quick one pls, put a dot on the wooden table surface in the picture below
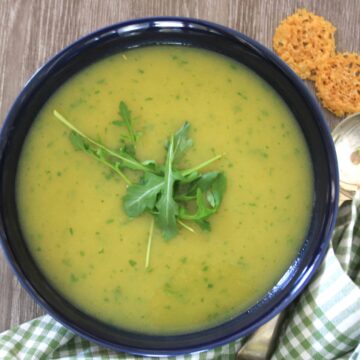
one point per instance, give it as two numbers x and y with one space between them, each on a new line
31 31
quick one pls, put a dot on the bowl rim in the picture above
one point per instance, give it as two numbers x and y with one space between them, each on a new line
266 54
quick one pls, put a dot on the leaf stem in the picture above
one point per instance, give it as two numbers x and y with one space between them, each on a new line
148 250
200 166
187 227
111 152
112 167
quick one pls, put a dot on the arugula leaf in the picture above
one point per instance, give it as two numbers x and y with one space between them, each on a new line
126 159
154 166
202 181
213 184
204 224
97 153
186 187
142 196
77 141
167 206
130 162
168 193
202 212
209 191
206 180
125 114
181 142
217 190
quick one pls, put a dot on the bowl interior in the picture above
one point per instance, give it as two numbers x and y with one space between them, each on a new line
183 32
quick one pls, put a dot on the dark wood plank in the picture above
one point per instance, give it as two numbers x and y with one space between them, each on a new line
32 31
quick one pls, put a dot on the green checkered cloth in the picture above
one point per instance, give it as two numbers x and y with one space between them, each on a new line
324 323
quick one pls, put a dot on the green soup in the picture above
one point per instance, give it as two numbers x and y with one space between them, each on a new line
70 206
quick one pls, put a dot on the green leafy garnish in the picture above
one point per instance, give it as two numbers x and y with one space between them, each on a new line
181 142
126 116
173 196
92 147
167 206
126 120
143 196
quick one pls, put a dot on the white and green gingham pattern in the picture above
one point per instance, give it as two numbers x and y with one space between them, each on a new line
44 338
324 323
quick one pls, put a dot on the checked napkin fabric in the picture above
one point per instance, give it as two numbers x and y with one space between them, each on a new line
324 323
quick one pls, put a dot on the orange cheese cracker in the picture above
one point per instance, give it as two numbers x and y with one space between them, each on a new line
337 83
303 40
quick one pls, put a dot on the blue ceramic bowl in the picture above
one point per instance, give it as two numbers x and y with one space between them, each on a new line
186 32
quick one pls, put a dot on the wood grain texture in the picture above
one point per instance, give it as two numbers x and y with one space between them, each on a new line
33 30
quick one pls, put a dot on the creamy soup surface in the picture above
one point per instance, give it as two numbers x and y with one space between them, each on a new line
70 206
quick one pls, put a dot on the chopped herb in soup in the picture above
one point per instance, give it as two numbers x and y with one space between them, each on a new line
201 253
